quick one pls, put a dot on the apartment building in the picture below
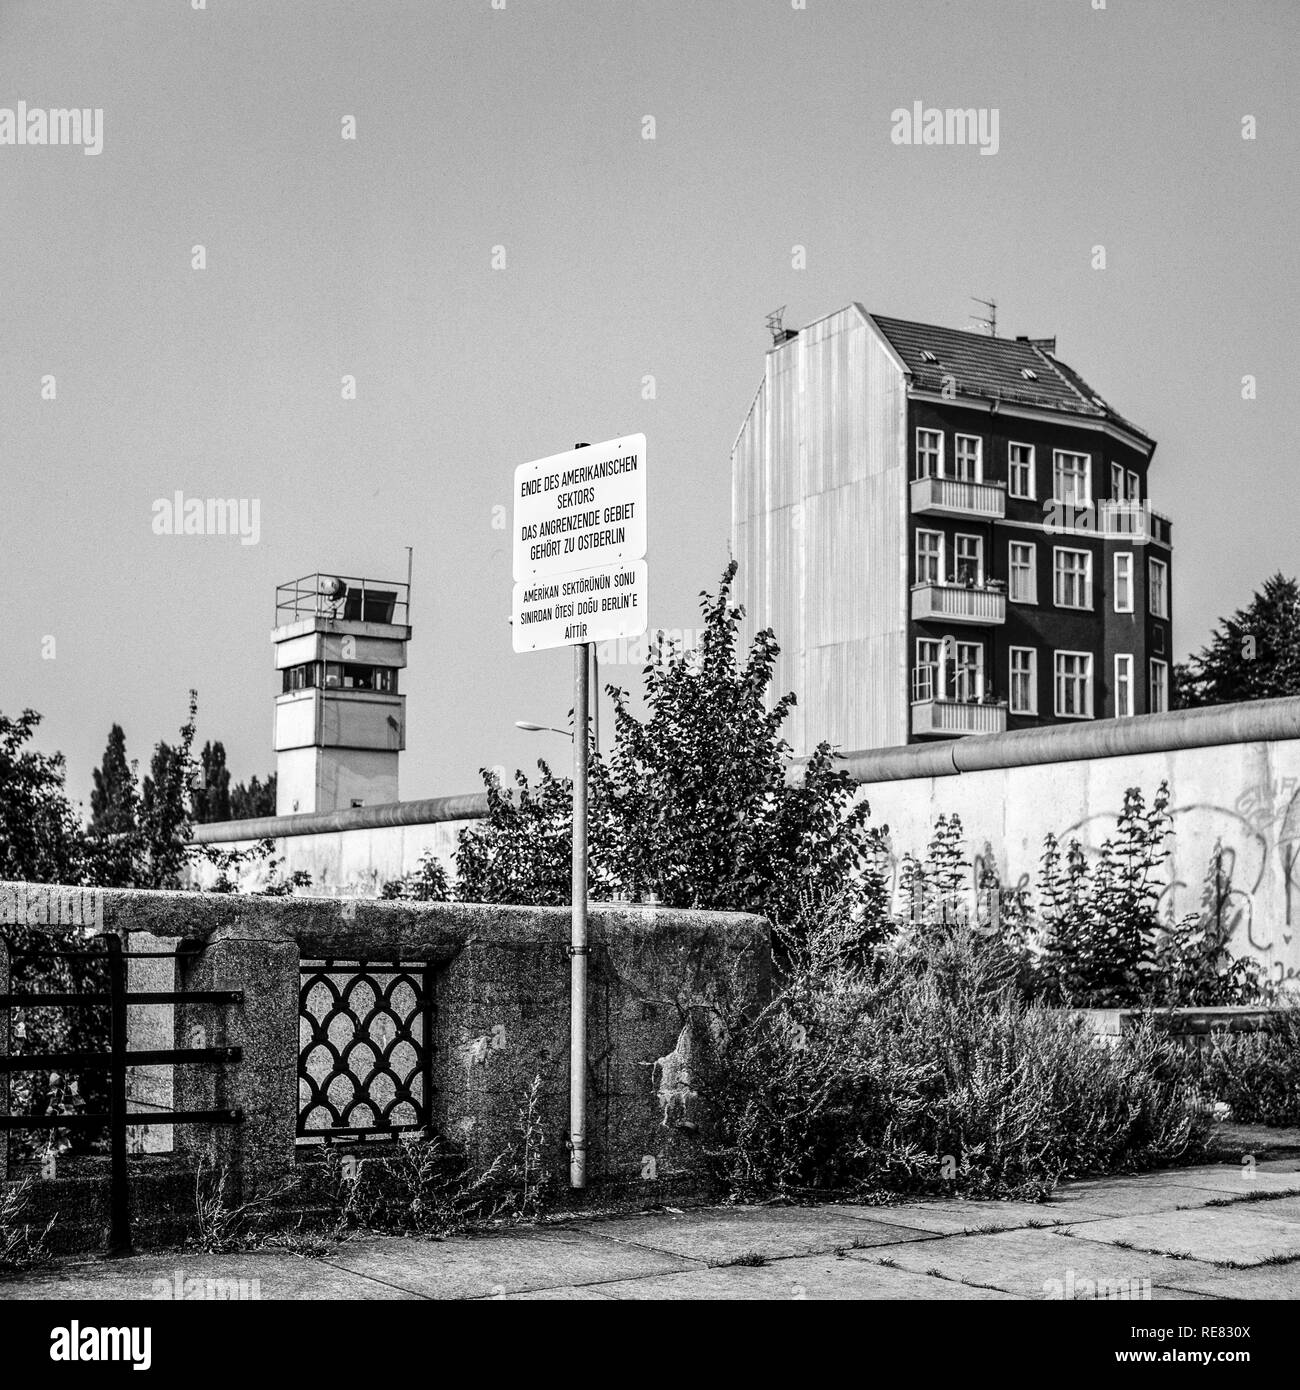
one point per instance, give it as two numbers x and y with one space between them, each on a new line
950 533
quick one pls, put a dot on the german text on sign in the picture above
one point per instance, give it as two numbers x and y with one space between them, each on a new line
581 509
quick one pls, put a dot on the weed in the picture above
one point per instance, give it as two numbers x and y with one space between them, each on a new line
19 1247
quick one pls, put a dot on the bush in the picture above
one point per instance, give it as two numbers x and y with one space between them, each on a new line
428 884
922 1069
693 802
1257 1074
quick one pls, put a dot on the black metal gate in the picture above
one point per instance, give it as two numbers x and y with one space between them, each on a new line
116 1062
365 1062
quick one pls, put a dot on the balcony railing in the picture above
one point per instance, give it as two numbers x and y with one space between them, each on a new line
951 715
959 603
953 718
953 497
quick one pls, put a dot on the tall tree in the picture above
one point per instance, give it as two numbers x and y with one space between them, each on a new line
165 813
212 793
255 799
1253 655
113 796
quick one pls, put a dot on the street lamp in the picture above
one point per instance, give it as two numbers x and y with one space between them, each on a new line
531 728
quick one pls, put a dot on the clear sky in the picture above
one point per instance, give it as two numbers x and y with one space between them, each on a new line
522 127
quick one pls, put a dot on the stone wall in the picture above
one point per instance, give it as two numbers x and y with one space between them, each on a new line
660 982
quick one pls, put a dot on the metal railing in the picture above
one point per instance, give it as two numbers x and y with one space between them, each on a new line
971 603
343 596
116 1061
959 497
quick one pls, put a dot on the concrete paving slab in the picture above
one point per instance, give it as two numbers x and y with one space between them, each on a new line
1038 1264
1209 1234
278 1276
956 1218
718 1235
566 1293
506 1263
806 1278
1279 1283
1232 1178
1125 1197
1279 1208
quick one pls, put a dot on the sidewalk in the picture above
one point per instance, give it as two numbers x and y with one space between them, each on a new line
1211 1232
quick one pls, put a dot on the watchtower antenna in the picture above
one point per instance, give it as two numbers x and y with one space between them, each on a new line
989 321
776 324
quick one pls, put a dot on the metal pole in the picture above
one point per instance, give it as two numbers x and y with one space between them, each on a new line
119 1211
595 697
409 562
578 942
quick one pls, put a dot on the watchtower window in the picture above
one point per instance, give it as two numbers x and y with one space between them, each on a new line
303 677
347 675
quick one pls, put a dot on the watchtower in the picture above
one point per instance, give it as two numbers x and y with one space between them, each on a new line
340 720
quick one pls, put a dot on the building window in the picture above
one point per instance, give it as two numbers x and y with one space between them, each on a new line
929 454
929 557
1123 685
1124 581
969 560
1117 482
970 670
1134 488
1074 685
925 680
970 465
1071 478
1158 693
1020 470
1024 680
302 677
1073 578
1023 571
353 676
1158 588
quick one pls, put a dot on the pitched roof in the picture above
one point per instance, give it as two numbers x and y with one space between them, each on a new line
1017 370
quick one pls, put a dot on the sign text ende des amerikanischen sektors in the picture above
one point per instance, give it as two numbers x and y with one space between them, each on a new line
581 509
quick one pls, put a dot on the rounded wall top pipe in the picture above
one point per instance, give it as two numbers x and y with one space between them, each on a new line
1255 721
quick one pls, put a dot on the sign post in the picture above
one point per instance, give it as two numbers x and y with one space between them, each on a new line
578 934
580 578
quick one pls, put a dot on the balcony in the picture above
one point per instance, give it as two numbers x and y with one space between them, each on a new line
952 497
951 716
959 603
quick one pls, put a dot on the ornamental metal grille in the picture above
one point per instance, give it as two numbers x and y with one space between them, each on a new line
365 1049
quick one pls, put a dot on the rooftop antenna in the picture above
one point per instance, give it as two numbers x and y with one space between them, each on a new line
991 321
775 324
